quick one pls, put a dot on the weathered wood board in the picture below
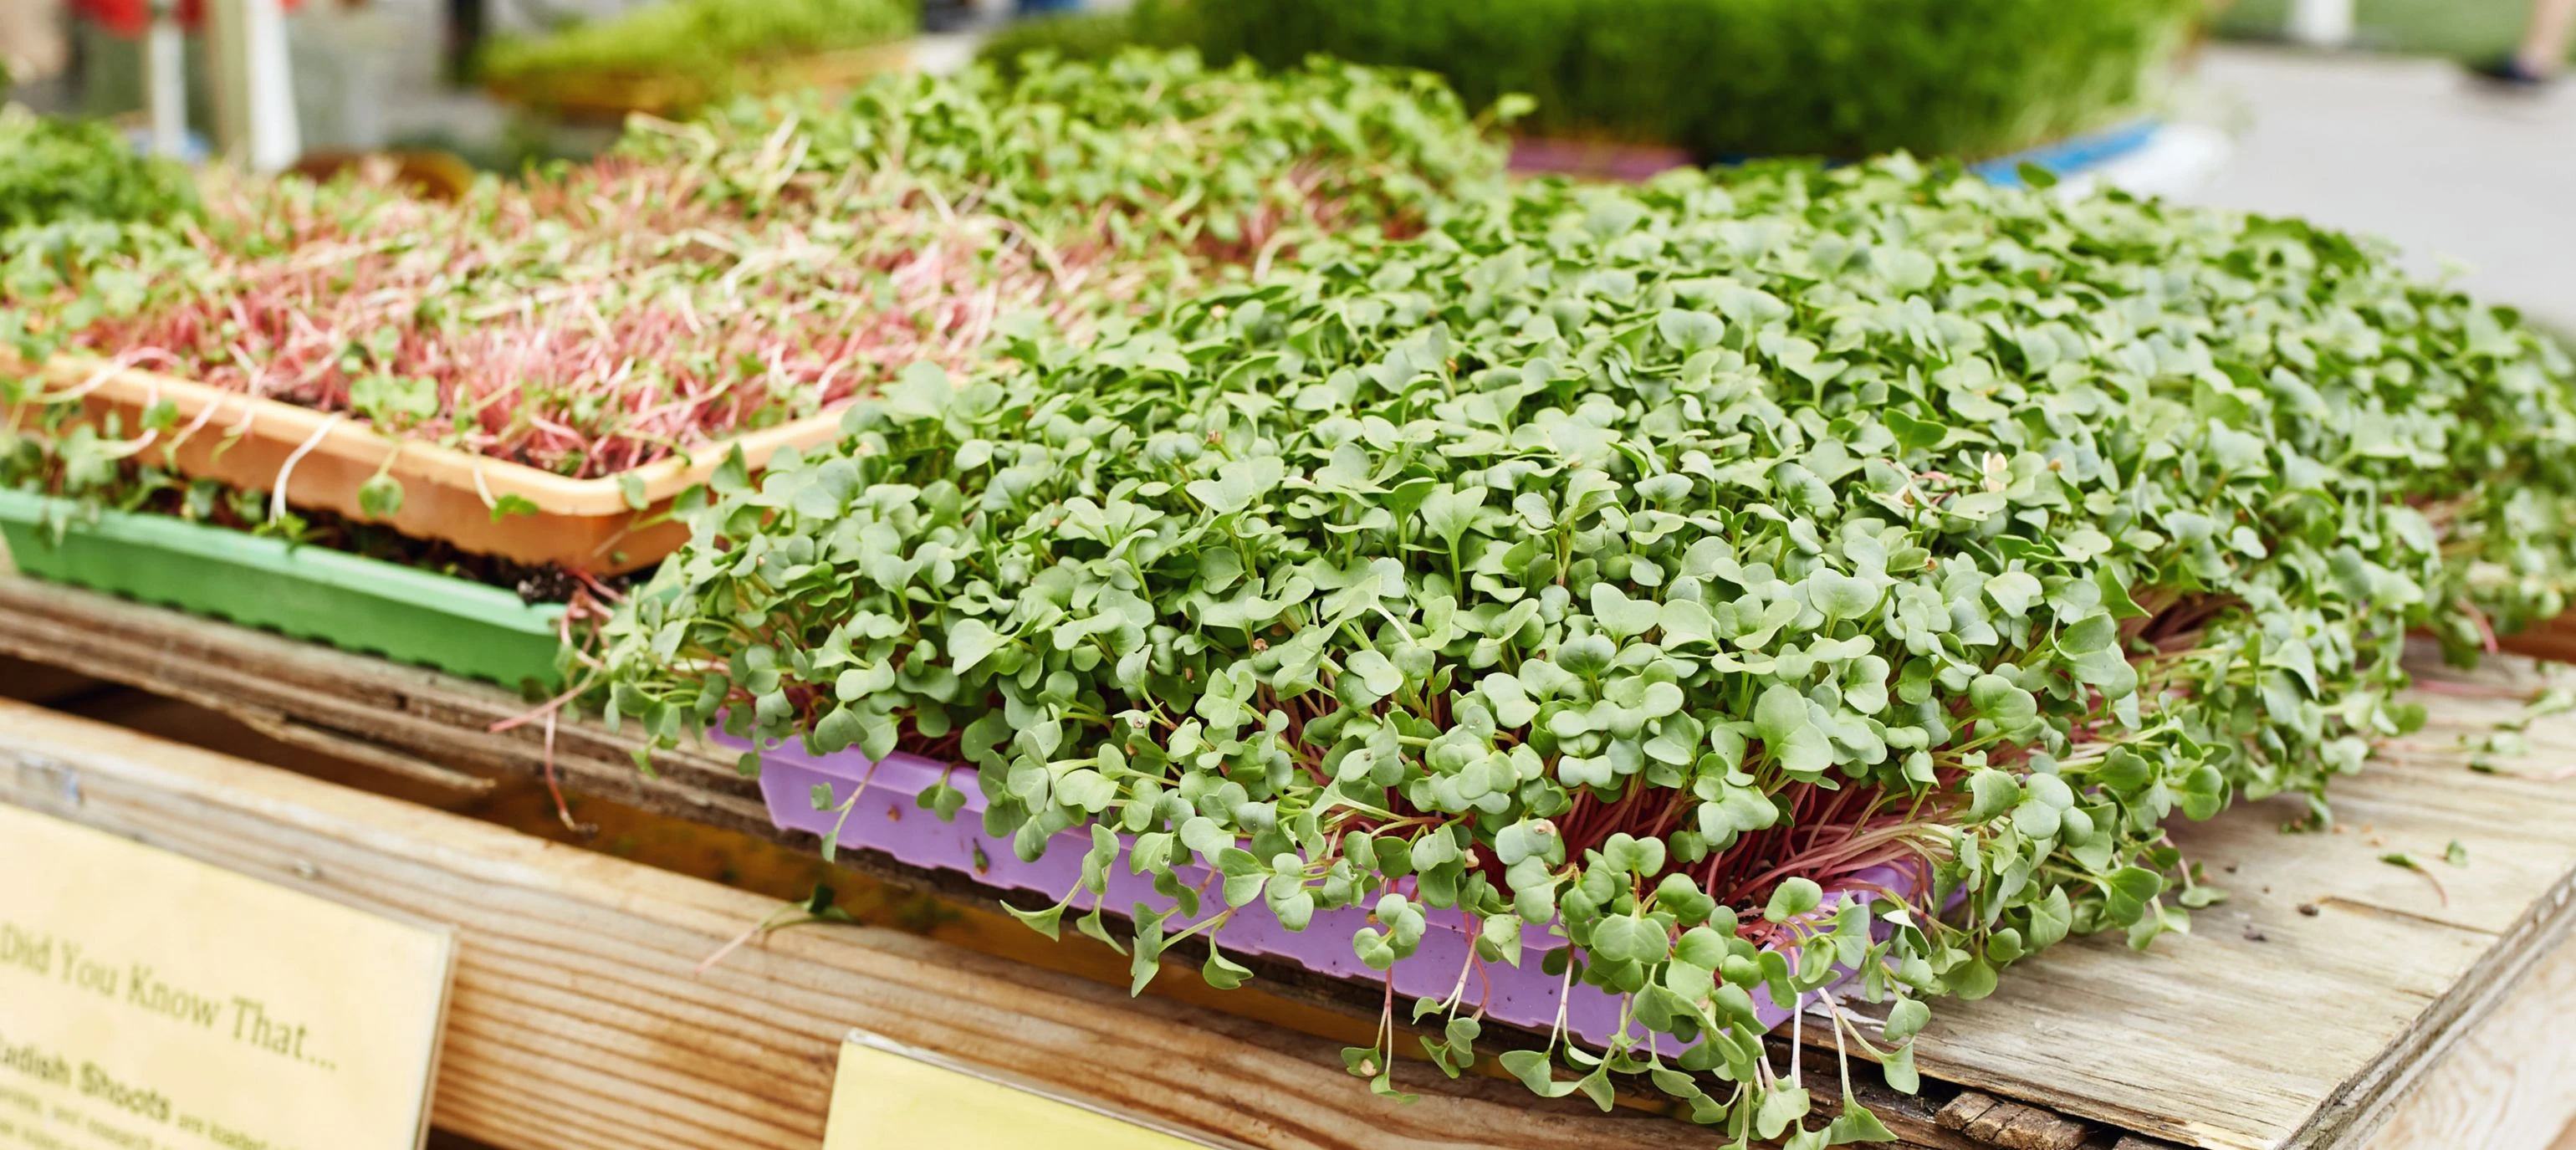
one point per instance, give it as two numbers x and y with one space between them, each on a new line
2509 1085
356 705
2297 1012
2265 1027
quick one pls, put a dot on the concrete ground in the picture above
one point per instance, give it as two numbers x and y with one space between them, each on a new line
2408 149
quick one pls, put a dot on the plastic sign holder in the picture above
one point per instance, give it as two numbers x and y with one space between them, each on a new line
149 999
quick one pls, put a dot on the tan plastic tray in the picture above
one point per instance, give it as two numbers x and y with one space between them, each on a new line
448 494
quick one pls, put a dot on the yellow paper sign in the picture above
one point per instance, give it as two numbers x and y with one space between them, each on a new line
887 1096
149 1001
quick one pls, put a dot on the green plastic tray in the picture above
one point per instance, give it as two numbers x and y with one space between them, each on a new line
455 625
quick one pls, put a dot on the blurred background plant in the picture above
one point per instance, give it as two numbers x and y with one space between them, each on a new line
57 171
671 57
2465 29
1722 78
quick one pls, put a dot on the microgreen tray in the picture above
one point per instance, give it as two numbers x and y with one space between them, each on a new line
606 526
887 818
361 604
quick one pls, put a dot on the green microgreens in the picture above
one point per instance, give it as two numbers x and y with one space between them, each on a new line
1647 565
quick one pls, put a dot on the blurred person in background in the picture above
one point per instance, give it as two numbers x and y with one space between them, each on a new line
2543 50
109 38
131 17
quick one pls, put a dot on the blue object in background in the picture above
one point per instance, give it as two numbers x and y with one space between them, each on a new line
2070 156
1048 7
193 148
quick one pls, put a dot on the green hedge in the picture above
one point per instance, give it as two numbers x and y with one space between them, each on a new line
700 42
1725 78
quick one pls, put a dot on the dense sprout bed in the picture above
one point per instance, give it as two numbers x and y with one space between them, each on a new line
1643 565
767 262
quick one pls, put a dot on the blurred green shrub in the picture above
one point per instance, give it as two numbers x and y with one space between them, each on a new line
60 171
1076 36
677 54
1725 78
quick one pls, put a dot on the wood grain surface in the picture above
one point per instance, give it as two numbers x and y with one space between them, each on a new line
2508 1085
2306 1008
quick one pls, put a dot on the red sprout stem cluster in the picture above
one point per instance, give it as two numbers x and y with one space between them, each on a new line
604 318
592 326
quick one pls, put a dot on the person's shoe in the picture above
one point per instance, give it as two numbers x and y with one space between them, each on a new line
2509 72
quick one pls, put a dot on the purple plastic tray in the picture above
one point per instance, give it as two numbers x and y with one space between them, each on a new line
886 819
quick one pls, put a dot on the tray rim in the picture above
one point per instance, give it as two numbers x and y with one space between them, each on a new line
493 616
83 375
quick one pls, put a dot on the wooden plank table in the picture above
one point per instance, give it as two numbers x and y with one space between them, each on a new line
2321 1002
2334 1000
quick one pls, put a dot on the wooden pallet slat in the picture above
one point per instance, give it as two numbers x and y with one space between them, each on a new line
2312 1035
